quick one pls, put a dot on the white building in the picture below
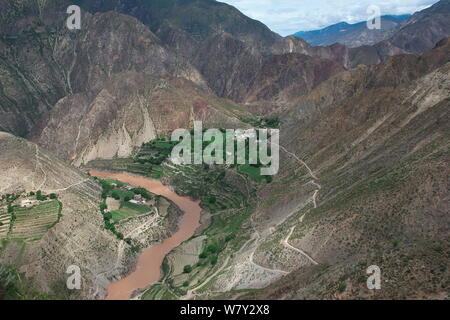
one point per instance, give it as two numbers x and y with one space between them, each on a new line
26 203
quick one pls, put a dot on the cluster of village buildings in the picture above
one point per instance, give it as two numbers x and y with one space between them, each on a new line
26 203
137 199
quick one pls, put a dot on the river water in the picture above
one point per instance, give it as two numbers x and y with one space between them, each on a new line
148 268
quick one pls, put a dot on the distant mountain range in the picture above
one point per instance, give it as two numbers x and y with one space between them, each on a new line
353 35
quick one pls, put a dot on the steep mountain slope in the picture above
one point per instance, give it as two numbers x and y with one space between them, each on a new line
228 65
31 79
353 35
78 239
201 19
233 52
236 69
114 66
228 48
41 62
282 78
424 29
131 108
374 183
419 33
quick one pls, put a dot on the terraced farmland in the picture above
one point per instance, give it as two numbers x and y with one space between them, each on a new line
32 223
209 184
159 292
128 165
128 210
4 223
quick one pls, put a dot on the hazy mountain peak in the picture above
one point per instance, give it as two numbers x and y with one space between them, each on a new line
353 35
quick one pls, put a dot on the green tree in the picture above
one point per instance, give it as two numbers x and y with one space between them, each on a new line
119 235
212 248
229 238
212 199
115 195
107 216
103 207
187 269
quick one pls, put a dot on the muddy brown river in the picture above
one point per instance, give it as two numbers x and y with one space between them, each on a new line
148 268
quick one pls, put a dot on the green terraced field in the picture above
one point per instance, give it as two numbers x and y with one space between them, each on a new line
32 223
4 223
122 193
128 210
158 292
128 165
252 172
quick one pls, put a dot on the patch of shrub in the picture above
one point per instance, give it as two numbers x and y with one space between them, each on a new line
187 269
39 196
212 248
103 207
143 192
115 195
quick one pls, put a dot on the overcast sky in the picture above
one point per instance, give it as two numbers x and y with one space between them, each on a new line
289 16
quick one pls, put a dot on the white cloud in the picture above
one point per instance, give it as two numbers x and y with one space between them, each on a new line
289 16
